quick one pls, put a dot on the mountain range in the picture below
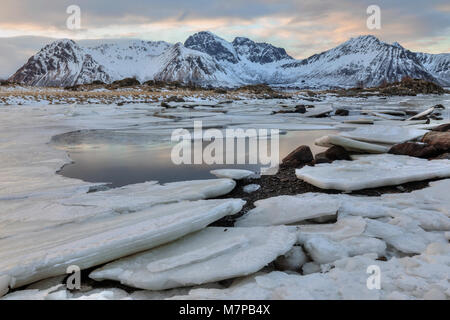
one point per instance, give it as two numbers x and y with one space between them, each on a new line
208 60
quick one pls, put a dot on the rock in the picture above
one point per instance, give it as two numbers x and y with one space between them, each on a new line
372 171
342 112
127 82
300 109
439 140
300 156
337 153
444 156
211 255
321 158
292 260
413 149
174 99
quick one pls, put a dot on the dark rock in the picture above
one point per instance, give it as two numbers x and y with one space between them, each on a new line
127 82
342 112
120 103
337 153
444 156
174 99
442 128
321 158
300 109
300 156
439 140
413 149
439 106
165 105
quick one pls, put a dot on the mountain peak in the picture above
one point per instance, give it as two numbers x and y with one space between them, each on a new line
208 42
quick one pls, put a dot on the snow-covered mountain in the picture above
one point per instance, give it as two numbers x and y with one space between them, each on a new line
364 59
207 59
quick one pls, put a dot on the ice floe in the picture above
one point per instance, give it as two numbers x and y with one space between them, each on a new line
251 188
350 144
48 252
235 174
289 210
419 277
210 255
371 171
384 134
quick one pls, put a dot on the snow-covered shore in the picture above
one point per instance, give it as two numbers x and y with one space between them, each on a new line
49 222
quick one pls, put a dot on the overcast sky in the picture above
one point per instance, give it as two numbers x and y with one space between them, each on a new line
302 27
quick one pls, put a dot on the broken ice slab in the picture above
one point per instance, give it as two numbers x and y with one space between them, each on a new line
422 114
289 209
423 276
350 144
372 171
211 255
235 174
19 215
38 255
384 134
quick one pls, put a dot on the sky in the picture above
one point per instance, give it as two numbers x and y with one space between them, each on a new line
302 27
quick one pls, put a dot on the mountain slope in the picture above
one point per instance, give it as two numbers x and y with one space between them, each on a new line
364 59
62 63
207 59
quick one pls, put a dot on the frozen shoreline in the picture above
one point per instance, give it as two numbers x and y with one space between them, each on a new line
29 185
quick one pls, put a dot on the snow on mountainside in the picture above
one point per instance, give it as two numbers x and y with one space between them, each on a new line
207 59
61 63
363 59
436 64
186 65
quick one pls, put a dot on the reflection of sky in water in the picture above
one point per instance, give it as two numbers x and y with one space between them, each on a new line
122 163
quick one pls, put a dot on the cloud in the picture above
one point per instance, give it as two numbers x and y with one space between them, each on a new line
302 27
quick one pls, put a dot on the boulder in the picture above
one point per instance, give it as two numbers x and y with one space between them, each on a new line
414 149
439 140
342 112
337 153
442 128
300 156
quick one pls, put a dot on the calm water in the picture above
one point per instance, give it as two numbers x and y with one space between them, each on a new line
127 158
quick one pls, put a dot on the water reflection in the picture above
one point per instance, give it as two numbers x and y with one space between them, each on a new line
135 158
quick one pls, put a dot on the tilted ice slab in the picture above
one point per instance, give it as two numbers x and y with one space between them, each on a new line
344 228
324 250
210 255
42 254
422 114
384 134
235 174
403 234
317 111
289 209
18 216
371 171
350 144
423 276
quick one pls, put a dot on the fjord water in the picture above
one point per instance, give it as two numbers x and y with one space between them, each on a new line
122 158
